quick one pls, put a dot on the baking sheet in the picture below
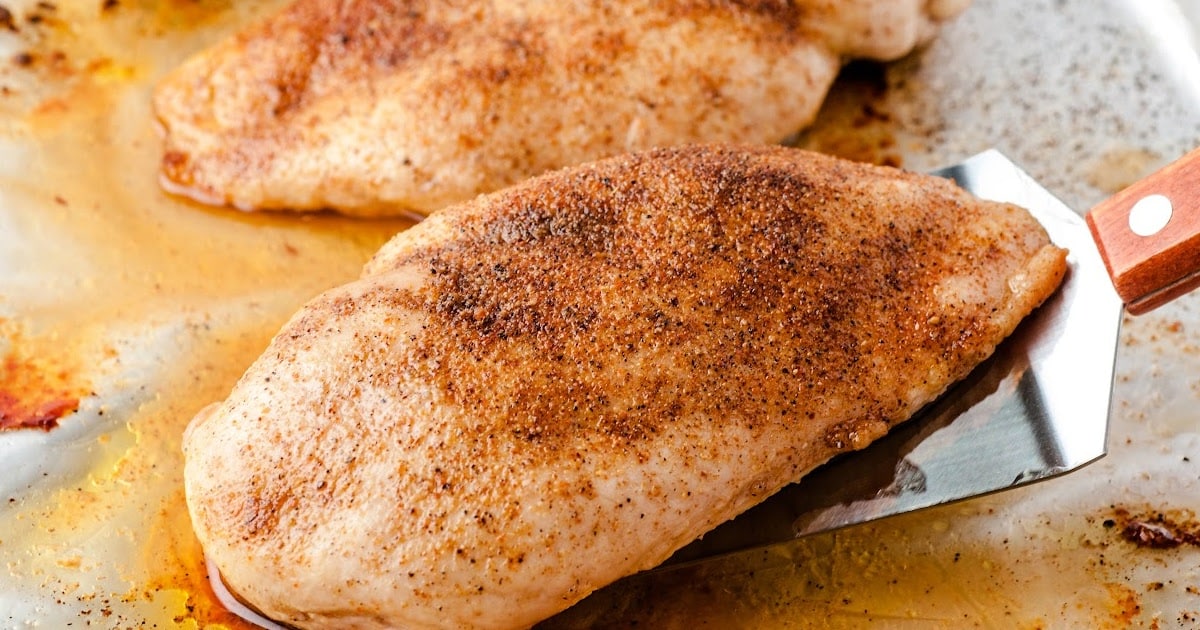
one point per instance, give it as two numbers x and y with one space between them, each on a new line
143 308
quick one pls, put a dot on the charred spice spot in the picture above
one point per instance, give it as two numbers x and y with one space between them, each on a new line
1156 529
35 393
6 20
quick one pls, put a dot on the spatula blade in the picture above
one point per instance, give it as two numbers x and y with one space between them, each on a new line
1036 409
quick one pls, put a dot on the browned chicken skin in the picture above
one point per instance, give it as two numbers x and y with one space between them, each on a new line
530 395
376 107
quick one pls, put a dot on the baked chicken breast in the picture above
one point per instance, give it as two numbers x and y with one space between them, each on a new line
377 107
537 392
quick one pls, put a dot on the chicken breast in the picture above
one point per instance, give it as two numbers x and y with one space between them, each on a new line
377 107
532 394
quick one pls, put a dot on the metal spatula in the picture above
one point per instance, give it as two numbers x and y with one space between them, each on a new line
1039 407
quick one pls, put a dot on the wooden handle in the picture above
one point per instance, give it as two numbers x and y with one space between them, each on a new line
1149 235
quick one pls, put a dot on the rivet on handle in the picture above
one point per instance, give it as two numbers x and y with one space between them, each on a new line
1150 215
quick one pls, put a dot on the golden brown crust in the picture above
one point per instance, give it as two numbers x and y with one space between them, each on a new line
382 106
774 249
530 395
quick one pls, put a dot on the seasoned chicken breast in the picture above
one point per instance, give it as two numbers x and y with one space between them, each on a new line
376 107
532 394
